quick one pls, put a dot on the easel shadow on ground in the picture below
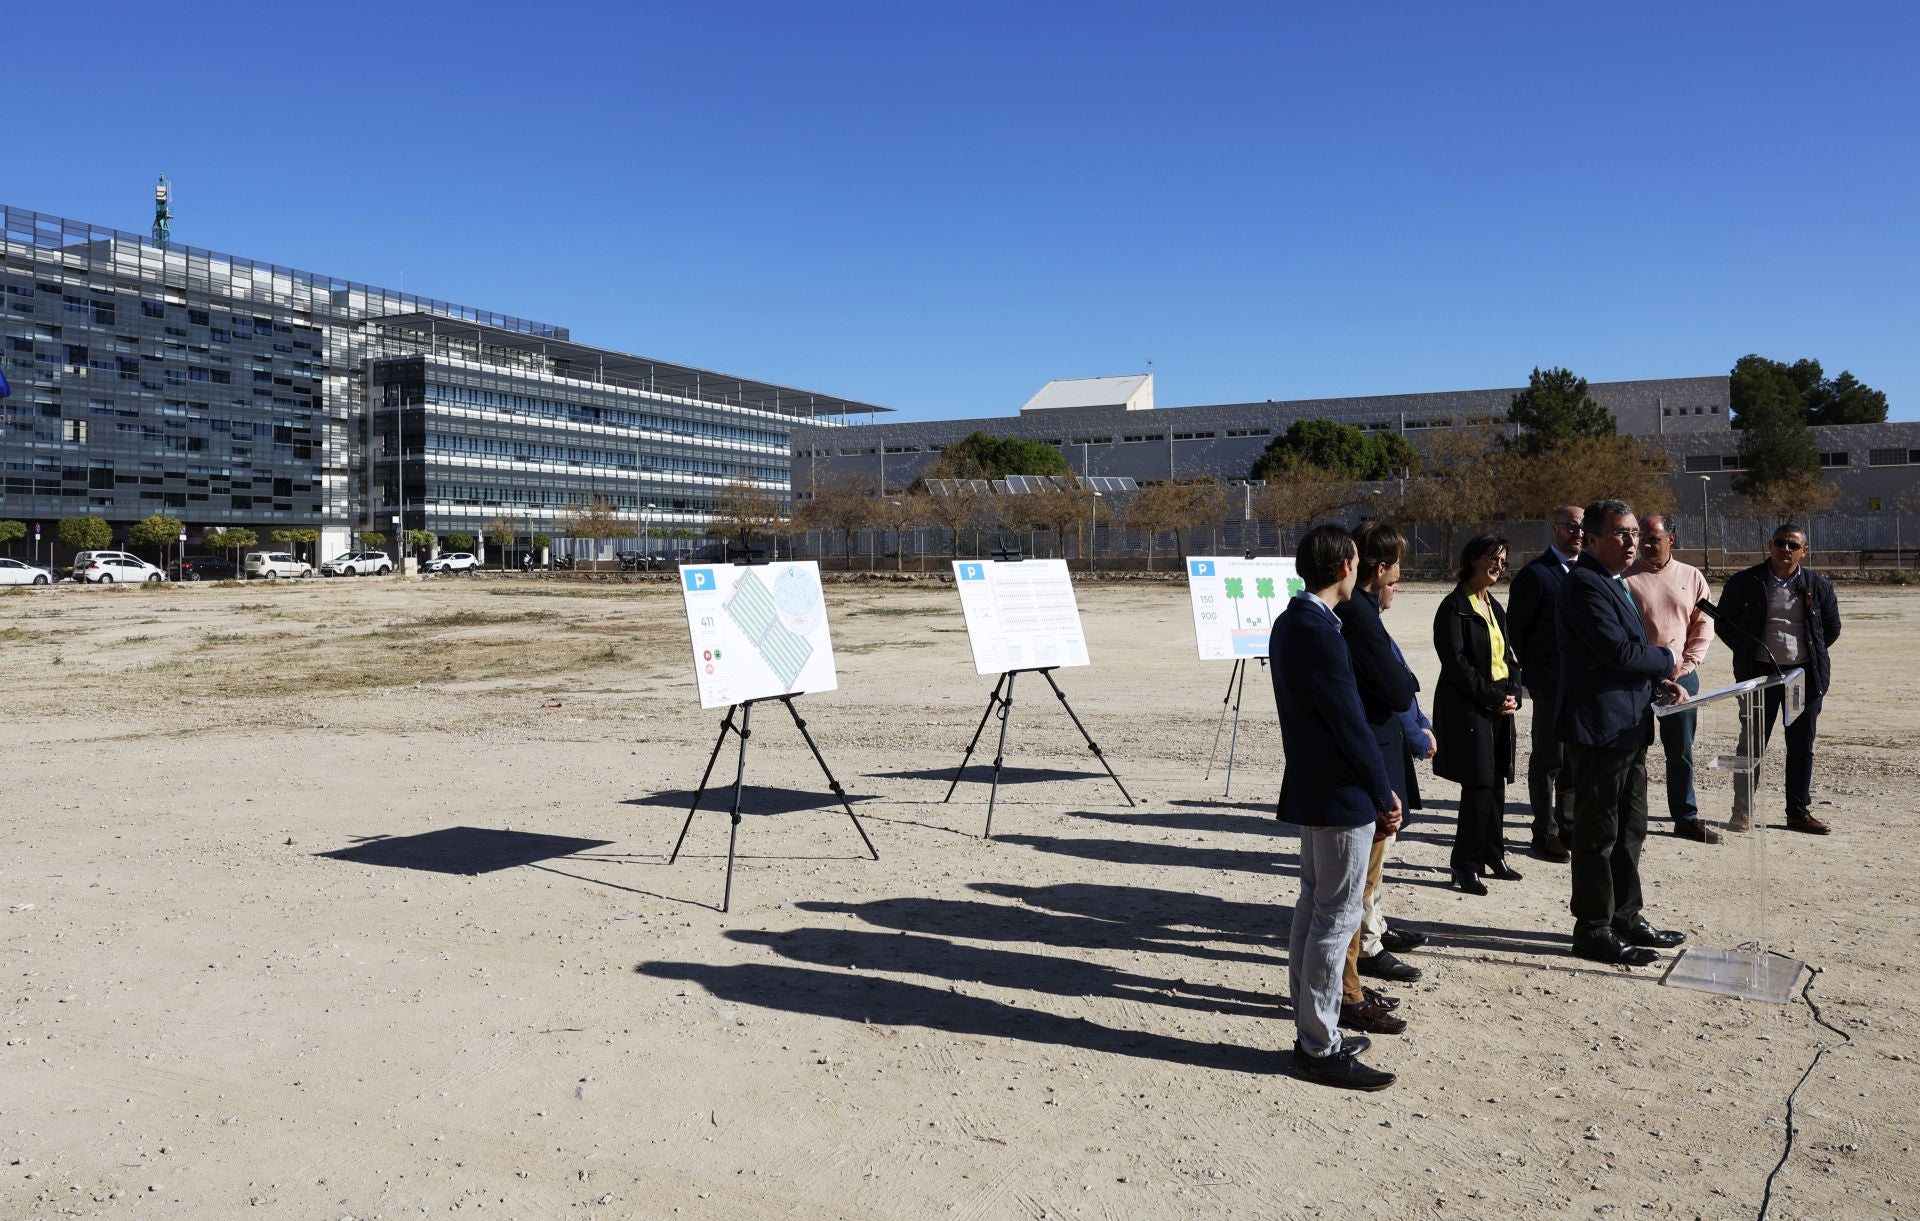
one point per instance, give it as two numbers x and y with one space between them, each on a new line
754 799
982 773
462 850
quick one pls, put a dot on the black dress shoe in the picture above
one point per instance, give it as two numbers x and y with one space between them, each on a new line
1550 847
1505 872
1400 940
1606 947
1372 1017
1642 933
1385 966
1469 881
1341 1070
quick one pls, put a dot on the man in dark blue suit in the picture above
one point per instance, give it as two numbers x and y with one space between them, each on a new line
1608 677
1336 792
1530 621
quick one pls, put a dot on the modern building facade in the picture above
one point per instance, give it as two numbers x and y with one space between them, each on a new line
229 392
1874 468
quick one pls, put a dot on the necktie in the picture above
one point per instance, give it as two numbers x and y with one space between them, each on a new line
1623 589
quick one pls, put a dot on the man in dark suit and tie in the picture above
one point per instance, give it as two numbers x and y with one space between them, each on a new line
1608 677
1336 792
1530 618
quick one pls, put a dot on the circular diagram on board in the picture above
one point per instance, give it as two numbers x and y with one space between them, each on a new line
796 595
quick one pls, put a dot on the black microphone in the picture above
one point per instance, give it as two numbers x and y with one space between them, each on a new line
1713 612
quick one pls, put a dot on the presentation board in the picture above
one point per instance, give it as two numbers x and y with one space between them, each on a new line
1020 614
1235 600
758 631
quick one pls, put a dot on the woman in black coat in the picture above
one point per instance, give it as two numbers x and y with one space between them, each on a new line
1473 711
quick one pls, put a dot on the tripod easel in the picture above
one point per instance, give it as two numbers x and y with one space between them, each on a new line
1232 696
744 730
1004 703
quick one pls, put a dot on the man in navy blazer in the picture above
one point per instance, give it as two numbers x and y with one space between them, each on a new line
1335 791
1531 602
1608 677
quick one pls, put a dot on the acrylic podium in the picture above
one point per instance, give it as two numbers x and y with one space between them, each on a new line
1735 716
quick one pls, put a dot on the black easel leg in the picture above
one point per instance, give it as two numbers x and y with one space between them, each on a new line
831 782
1000 751
992 702
726 727
1093 746
1233 743
739 781
1239 664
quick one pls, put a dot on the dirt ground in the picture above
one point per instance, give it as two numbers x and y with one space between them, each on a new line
351 899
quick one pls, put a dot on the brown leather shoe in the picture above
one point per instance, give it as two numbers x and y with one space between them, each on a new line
1740 821
1370 1016
1548 847
1694 829
1807 823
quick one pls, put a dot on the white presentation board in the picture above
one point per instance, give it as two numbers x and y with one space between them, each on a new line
1235 600
1020 614
758 631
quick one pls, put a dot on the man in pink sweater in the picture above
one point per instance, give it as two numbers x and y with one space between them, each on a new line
1667 593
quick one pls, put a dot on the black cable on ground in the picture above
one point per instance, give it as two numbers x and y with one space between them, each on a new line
1806 994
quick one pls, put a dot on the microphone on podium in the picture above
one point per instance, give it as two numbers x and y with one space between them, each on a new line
1713 612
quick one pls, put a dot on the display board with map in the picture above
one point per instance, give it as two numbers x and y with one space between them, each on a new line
1235 600
759 631
1021 615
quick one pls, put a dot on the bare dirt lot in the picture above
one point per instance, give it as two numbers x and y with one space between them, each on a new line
351 899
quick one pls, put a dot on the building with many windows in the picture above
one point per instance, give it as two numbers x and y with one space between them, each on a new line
228 392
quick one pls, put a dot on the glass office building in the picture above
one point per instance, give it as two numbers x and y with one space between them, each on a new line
229 392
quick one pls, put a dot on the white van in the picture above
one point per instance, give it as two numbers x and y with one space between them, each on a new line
272 565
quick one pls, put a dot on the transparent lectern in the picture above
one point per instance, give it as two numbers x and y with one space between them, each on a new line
1749 970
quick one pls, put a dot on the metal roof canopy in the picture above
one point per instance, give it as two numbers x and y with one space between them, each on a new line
1015 485
640 372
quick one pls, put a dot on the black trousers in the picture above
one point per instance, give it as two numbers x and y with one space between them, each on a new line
1477 837
1547 774
1800 736
1609 826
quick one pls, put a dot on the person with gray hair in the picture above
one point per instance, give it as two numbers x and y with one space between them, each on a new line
1668 593
1608 677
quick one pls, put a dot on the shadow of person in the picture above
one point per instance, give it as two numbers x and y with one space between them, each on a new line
833 994
1235 824
998 968
1132 852
1152 914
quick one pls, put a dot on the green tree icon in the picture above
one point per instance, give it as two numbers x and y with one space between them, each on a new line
1263 589
1235 589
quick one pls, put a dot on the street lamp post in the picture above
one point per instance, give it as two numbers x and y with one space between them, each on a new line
646 522
1093 531
1706 568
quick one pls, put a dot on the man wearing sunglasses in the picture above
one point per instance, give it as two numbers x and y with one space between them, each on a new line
1784 611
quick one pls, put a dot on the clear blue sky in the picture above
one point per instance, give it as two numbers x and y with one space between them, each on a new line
938 208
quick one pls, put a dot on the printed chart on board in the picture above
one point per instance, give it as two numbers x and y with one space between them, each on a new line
1235 600
758 631
1020 614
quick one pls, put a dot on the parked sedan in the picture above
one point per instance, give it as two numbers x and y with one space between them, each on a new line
104 569
17 572
202 568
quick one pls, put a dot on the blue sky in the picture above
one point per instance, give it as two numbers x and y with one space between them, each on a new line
938 208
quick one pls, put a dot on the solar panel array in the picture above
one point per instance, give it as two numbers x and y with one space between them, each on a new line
1016 485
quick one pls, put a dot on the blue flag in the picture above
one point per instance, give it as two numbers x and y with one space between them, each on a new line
5 389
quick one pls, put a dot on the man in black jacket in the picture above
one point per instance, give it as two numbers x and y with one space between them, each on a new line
1785 611
1609 676
1530 614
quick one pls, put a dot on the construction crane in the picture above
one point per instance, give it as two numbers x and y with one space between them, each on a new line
162 193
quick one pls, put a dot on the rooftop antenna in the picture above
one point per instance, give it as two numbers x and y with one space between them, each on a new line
162 195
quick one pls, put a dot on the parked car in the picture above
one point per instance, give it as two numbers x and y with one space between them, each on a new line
355 563
82 558
456 561
202 568
19 572
107 567
272 565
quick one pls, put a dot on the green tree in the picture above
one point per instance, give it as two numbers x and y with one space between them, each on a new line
420 542
160 530
373 538
1332 449
296 538
457 542
984 456
499 532
85 533
10 531
1554 410
1769 403
234 540
1757 386
1845 400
